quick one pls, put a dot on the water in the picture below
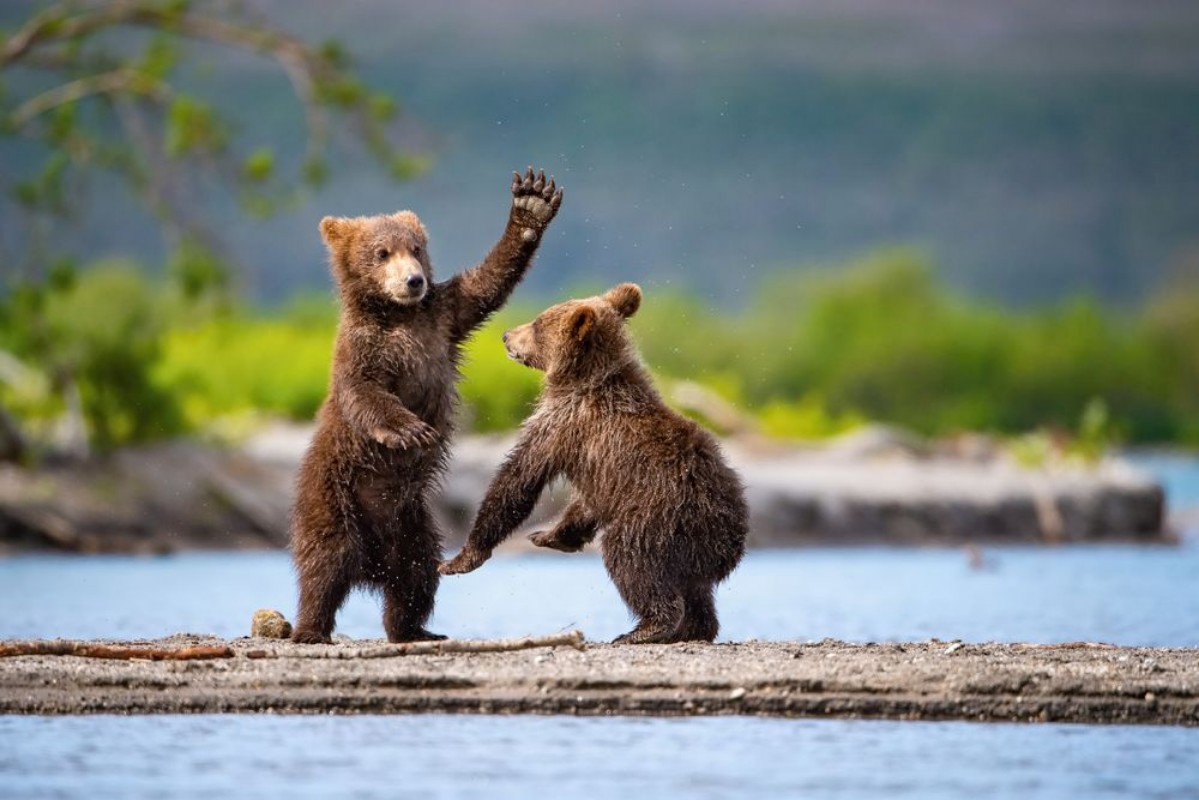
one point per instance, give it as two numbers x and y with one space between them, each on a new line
1178 473
1118 594
552 757
1125 595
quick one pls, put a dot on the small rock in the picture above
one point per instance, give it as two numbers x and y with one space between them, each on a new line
953 648
269 624
737 693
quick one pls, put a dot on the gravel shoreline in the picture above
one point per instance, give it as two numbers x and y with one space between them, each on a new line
933 680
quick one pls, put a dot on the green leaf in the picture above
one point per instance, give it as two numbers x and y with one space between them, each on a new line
197 269
159 58
332 51
62 123
257 205
343 91
315 171
192 126
25 193
382 107
176 6
259 165
406 167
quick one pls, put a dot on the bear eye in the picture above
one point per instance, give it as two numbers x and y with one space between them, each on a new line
382 253
416 248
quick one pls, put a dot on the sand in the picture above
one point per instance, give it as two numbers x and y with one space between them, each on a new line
933 680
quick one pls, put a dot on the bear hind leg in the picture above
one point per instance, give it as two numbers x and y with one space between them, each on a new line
657 603
407 605
700 623
410 586
325 579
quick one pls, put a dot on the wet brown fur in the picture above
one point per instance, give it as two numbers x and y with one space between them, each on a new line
672 510
361 515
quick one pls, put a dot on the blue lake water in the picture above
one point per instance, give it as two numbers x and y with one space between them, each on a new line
1118 594
564 757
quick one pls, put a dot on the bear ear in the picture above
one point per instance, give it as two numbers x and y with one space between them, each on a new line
581 322
625 298
335 230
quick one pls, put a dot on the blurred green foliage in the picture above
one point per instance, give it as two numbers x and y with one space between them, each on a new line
816 353
497 392
884 339
242 363
95 335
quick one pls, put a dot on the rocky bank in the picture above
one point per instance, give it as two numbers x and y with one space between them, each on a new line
873 486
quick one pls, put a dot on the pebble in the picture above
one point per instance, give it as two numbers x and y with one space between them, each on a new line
269 624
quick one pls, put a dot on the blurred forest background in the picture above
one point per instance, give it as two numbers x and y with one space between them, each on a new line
948 215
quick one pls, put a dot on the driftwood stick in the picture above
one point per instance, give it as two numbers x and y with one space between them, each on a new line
61 647
573 639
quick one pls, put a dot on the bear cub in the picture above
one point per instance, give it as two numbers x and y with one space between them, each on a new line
673 511
361 514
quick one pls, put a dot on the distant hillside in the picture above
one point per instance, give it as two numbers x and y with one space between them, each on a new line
1033 150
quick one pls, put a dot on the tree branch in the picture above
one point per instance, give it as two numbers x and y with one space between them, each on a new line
303 67
61 647
115 82
570 639
53 24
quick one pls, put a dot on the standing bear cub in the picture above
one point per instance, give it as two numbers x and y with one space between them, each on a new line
361 515
673 512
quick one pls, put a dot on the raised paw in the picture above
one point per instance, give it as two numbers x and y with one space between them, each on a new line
468 560
551 540
535 200
416 434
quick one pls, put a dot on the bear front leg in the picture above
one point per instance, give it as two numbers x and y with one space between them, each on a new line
477 293
510 499
574 531
381 416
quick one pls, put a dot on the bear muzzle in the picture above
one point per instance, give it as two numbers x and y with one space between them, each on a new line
404 280
520 345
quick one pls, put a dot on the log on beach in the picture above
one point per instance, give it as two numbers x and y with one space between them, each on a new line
933 680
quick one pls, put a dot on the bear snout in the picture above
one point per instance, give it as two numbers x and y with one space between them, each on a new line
404 279
521 347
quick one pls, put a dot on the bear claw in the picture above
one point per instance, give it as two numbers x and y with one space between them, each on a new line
535 200
466 561
549 540
418 434
647 634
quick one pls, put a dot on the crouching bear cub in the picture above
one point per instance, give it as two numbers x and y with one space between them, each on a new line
361 515
673 512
